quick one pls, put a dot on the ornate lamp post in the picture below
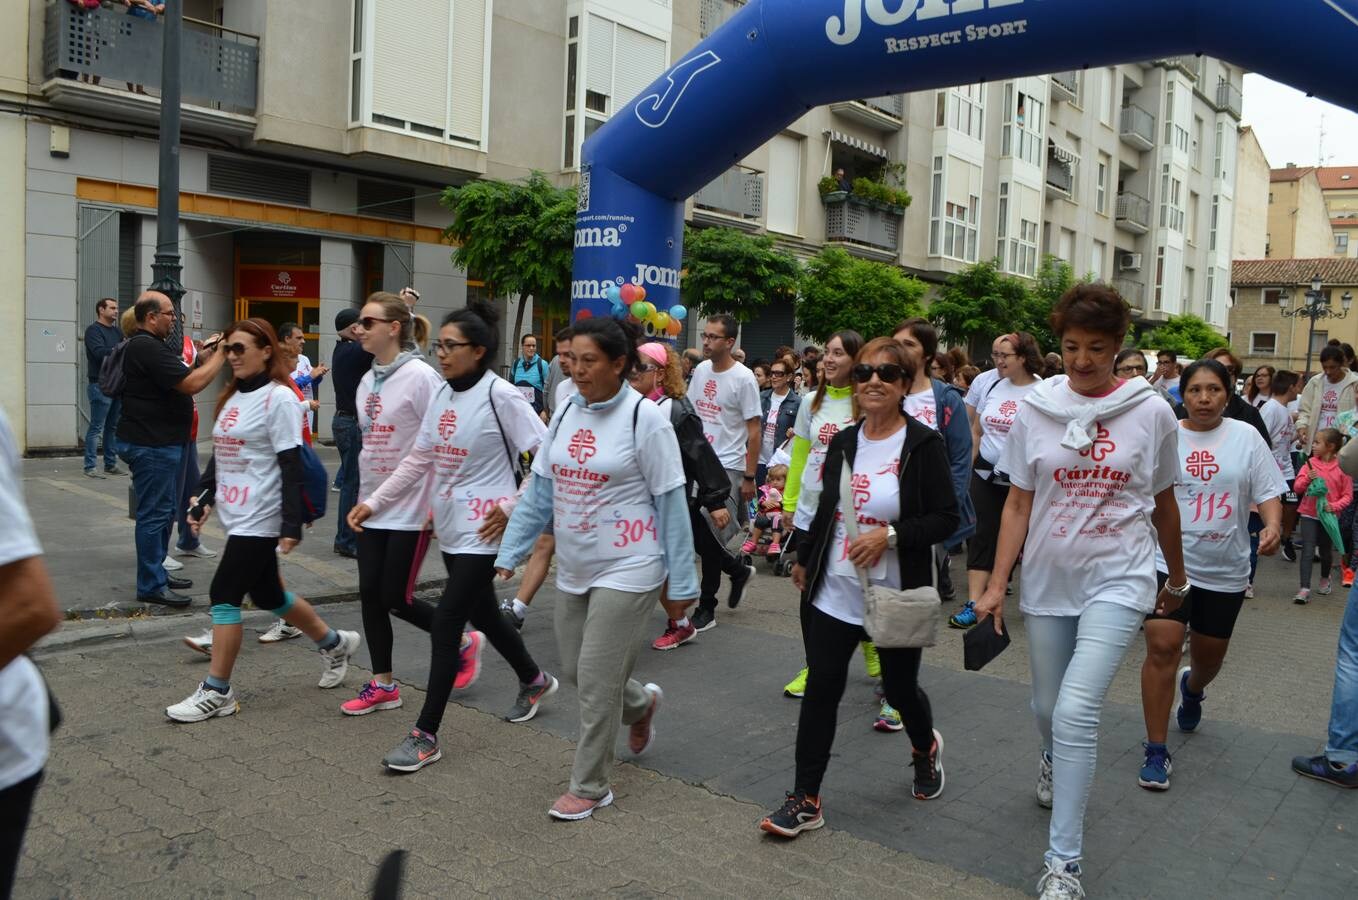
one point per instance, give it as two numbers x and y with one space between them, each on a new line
1317 306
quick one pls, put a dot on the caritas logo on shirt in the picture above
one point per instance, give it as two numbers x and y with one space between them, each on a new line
582 446
1102 446
230 418
710 389
448 424
373 407
860 485
1202 465
827 433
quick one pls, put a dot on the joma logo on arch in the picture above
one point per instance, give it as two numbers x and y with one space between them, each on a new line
846 29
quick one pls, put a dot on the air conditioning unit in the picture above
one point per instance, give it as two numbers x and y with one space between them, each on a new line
1129 262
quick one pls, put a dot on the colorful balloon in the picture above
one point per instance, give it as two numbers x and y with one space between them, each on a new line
583 314
661 320
649 307
638 292
675 327
613 294
677 311
639 310
628 292
620 313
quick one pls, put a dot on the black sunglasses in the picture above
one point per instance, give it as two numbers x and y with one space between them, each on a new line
887 372
236 348
368 321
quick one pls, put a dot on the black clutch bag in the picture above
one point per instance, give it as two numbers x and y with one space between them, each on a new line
981 644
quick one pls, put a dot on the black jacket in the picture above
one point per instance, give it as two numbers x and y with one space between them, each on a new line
1237 408
706 483
928 506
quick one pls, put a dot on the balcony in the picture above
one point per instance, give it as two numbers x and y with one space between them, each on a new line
107 62
1061 166
712 14
866 227
1189 65
1133 213
1137 128
1134 292
734 199
1228 99
1065 86
882 113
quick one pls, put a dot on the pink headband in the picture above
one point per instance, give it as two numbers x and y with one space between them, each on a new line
655 353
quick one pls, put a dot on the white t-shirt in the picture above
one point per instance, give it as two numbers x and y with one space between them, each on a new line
304 368
819 428
473 470
1000 409
1221 472
876 489
771 440
1329 405
725 401
1090 535
1259 401
252 429
605 476
1282 434
564 389
390 418
922 407
23 699
980 385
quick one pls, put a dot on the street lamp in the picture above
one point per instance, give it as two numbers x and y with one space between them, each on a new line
1317 306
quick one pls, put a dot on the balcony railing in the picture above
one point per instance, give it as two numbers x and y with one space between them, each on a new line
1228 98
1134 292
1189 65
712 14
1133 213
1137 127
108 50
1065 85
736 192
854 220
883 113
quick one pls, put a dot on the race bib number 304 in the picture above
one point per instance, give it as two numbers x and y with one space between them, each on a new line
628 531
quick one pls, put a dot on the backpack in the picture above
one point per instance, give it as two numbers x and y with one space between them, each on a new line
315 485
112 377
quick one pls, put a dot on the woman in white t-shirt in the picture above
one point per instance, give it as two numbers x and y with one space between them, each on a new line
903 504
1224 466
1019 363
1092 461
462 466
610 477
1260 386
254 480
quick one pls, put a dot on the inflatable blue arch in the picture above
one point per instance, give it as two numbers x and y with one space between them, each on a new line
775 59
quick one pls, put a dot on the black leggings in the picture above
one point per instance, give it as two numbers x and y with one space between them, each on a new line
16 802
829 646
388 563
249 565
469 596
988 499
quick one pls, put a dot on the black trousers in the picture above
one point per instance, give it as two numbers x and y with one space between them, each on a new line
830 644
387 567
713 558
469 596
16 802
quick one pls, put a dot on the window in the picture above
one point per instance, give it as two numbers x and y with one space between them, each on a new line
966 110
785 180
1192 219
1318 341
1023 249
1065 249
1219 158
1271 296
607 64
1159 278
572 75
954 227
1169 112
1189 278
936 207
1107 79
1097 255
1197 142
1263 343
1216 214
1101 186
1002 227
1341 243
1024 119
1171 201
1211 289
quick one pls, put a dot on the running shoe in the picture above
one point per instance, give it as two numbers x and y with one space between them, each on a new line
203 704
414 753
674 636
705 619
513 618
1303 597
749 547
1189 711
871 661
1155 773
964 617
1249 592
775 550
1347 580
796 688
279 631
570 808
526 705
337 659
1321 769
642 732
798 813
1289 551
171 564
200 552
372 698
1060 881
1044 780
469 661
202 643
928 770
738 583
1324 587
90 473
888 719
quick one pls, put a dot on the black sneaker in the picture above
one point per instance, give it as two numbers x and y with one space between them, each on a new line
800 813
178 584
738 582
1289 551
704 619
928 770
1321 769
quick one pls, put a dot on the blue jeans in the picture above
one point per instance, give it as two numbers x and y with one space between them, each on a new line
349 441
104 411
154 477
186 488
1342 745
1073 660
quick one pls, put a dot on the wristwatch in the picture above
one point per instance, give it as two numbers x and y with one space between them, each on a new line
1181 591
891 537
749 478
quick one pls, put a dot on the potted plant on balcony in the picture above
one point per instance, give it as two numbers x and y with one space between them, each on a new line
829 190
881 196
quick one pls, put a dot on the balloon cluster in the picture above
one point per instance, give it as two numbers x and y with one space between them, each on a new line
627 302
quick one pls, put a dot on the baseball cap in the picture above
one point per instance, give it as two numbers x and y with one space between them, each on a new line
345 317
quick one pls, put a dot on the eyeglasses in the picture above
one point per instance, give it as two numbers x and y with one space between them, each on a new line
1001 357
368 321
646 367
1131 370
887 372
709 336
445 347
778 373
237 348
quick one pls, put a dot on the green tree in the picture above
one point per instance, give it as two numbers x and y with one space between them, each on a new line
978 303
1186 335
1054 277
518 236
840 291
729 271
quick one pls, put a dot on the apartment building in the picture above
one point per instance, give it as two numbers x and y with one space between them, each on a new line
318 136
1339 185
1264 288
1252 180
1298 221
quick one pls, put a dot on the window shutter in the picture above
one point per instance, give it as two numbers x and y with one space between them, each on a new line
467 71
640 60
599 53
410 64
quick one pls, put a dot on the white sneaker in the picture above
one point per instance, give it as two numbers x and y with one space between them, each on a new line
1060 881
204 704
202 643
1249 592
201 552
171 564
1044 781
279 631
337 659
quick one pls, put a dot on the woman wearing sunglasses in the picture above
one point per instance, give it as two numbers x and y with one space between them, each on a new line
904 504
254 480
780 404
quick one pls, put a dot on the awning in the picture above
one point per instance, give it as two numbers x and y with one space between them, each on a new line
1064 154
849 140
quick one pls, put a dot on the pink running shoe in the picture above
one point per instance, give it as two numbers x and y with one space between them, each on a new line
674 636
748 547
372 698
470 667
775 550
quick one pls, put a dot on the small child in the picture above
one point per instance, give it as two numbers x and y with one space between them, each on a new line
1324 465
770 515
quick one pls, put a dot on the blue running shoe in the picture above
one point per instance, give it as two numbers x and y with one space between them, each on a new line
1189 711
1321 769
964 617
1155 773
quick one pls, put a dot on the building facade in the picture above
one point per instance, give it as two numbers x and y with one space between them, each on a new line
1261 335
1298 221
1251 198
1339 184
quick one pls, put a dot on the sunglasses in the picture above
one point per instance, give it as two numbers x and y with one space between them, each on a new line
887 372
778 373
237 348
368 321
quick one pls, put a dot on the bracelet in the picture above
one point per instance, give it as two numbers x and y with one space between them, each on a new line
1181 591
749 478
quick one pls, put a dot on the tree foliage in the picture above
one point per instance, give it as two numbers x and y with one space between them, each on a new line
1186 335
978 303
840 291
517 235
729 271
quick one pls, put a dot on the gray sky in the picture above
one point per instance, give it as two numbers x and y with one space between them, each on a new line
1287 124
